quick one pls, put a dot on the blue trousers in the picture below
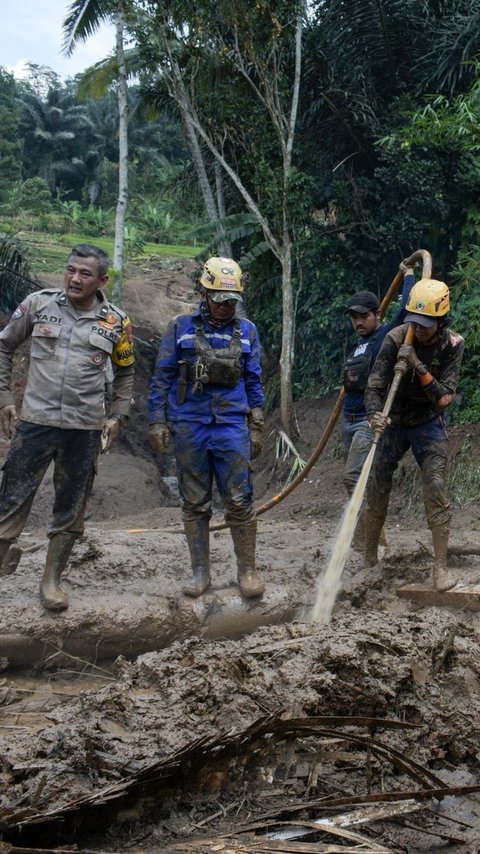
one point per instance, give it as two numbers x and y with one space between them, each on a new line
205 452
428 442
33 448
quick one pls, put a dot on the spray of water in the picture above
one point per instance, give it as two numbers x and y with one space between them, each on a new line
329 583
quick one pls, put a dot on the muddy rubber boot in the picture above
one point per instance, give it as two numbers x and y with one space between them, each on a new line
358 539
196 532
244 543
11 560
441 578
373 531
4 548
52 596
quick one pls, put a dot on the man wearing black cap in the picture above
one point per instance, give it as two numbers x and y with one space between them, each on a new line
363 309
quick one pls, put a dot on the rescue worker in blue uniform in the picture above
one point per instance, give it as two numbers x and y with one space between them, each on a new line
206 393
363 309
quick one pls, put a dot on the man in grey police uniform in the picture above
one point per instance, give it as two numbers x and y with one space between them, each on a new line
76 335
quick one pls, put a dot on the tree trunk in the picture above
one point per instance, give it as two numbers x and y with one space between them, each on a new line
224 245
288 337
122 202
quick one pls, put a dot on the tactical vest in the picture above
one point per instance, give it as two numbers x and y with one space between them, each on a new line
358 365
216 366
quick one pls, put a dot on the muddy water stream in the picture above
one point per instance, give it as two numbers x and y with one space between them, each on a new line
329 583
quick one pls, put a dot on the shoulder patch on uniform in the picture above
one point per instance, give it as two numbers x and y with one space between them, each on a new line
123 353
19 311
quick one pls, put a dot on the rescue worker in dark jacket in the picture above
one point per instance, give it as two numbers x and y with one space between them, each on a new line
76 336
206 392
363 309
417 416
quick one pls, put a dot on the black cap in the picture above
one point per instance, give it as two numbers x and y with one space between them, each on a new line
362 302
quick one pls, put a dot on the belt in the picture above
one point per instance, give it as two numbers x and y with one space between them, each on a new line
355 417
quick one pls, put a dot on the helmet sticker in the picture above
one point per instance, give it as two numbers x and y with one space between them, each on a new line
420 304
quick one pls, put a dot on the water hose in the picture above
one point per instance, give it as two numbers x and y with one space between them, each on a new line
419 255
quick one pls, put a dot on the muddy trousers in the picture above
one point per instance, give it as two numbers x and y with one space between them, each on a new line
357 441
429 447
206 453
33 448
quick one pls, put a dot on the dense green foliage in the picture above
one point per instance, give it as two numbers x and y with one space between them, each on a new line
386 155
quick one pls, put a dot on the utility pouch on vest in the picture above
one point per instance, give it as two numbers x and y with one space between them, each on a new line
357 367
182 381
216 366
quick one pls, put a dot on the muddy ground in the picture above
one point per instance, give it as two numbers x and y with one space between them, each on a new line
149 723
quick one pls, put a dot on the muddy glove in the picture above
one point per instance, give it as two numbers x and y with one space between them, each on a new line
110 432
8 416
379 422
255 429
408 354
159 436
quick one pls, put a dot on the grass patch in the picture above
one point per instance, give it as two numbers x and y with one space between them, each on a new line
463 480
48 252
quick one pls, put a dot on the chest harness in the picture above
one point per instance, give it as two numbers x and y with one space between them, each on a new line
358 365
212 366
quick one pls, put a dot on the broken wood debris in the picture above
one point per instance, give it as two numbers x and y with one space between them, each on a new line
459 597
107 804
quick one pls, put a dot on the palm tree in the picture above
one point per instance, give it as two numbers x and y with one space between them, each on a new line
51 125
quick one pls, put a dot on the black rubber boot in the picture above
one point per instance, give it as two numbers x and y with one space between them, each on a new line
196 532
52 596
244 543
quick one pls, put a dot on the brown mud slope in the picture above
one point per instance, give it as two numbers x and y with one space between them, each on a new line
197 746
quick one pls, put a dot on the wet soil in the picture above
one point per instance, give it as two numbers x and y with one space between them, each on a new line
134 674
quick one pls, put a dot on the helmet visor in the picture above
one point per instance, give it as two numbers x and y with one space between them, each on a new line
421 319
224 296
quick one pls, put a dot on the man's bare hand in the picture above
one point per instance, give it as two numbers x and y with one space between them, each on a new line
8 416
110 432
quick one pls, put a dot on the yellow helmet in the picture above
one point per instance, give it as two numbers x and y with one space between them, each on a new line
429 298
222 274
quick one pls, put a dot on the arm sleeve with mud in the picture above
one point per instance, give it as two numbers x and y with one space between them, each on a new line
381 376
408 283
15 333
253 373
441 389
164 375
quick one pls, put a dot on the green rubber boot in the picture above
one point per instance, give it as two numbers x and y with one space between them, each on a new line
197 534
10 555
52 596
244 543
